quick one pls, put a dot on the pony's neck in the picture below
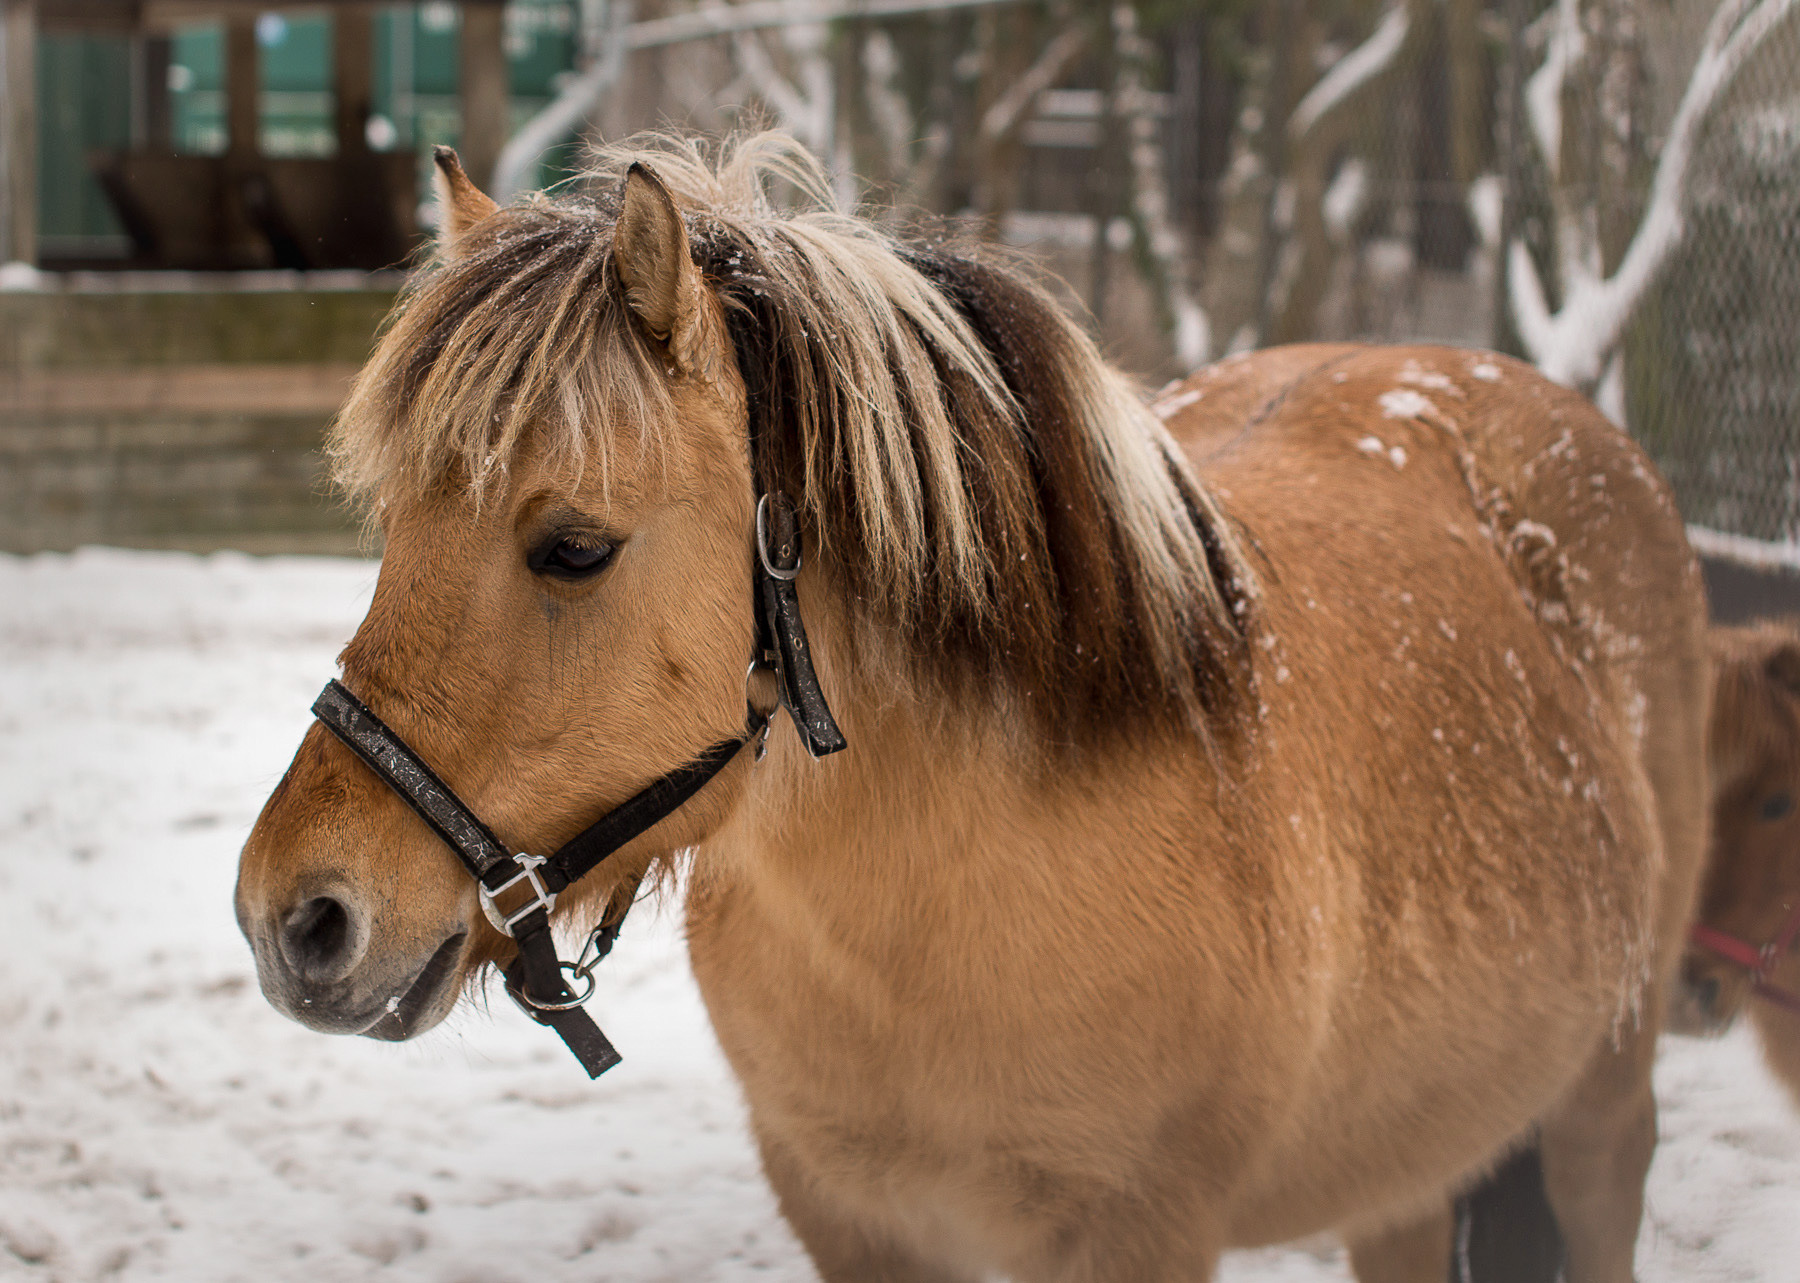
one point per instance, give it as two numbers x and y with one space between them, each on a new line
938 801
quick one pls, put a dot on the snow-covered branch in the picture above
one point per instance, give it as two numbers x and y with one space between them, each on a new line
1564 47
576 102
1192 331
602 26
1351 72
887 104
806 105
724 19
800 113
1012 105
1572 345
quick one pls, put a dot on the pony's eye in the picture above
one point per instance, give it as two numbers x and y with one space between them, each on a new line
1777 805
570 558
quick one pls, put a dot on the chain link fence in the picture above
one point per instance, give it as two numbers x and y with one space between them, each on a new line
1382 210
1714 359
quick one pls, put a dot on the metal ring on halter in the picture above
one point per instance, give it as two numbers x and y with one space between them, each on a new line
762 543
764 708
575 972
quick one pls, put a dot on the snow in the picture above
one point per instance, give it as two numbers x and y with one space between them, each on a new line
17 277
159 1121
1373 446
1404 403
1565 47
1759 554
1486 202
1344 200
1354 70
1424 377
1167 407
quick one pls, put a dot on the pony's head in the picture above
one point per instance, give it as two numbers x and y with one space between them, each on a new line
564 434
1753 871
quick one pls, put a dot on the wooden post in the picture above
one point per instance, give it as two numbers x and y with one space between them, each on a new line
353 80
243 86
153 128
485 118
18 131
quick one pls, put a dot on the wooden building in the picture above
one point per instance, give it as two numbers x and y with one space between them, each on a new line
238 207
166 377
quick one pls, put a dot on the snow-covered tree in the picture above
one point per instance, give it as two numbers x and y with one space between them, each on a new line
1601 275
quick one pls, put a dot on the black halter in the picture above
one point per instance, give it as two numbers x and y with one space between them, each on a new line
531 883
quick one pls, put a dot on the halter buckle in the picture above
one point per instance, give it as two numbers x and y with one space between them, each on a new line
784 561
542 897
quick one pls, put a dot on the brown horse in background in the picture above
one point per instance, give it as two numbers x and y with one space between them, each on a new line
1751 892
1258 813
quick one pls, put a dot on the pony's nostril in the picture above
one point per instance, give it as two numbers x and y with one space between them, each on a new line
1706 993
318 940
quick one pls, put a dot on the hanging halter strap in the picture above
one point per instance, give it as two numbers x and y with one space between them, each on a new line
518 891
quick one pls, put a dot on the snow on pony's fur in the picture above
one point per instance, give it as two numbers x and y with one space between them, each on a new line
1152 910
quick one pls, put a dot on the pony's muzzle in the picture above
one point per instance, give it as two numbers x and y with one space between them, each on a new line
323 939
317 965
1700 1004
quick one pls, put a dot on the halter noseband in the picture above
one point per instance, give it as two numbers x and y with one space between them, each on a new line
535 978
1759 960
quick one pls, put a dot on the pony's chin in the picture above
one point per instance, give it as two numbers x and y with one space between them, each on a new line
427 1000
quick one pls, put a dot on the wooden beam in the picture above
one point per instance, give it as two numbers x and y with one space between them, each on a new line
89 17
353 76
27 394
483 89
243 85
18 131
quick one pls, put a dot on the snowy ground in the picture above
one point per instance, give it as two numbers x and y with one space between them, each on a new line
159 1121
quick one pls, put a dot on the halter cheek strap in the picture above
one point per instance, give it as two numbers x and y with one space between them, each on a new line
518 891
781 637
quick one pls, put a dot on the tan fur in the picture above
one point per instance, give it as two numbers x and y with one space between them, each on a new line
1753 865
1197 915
461 204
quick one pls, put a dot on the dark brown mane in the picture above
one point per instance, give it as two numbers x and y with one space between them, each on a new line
971 470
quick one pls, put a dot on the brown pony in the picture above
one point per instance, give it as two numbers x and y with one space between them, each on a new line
1260 809
1752 886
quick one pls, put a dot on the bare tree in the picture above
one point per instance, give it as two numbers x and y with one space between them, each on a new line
1578 343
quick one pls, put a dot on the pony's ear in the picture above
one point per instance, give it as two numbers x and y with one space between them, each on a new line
461 204
650 253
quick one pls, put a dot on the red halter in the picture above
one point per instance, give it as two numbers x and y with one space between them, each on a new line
1760 962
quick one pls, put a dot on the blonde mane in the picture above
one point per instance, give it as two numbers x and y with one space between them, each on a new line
967 465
